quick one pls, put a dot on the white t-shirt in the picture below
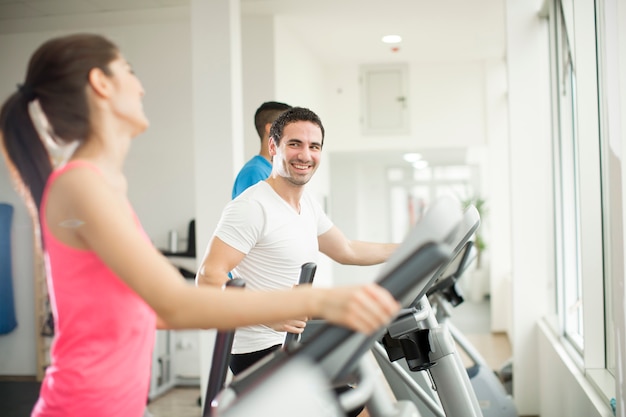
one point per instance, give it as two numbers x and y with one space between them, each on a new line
277 241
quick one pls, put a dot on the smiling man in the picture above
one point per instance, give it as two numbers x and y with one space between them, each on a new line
275 226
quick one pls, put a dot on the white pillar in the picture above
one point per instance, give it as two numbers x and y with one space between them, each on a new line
499 202
530 149
217 122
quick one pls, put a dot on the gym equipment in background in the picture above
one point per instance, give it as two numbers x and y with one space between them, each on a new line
411 337
8 321
494 400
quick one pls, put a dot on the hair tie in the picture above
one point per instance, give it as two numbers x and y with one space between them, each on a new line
27 91
59 151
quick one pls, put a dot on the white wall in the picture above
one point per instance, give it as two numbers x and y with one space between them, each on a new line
156 42
567 391
300 80
446 108
258 60
161 182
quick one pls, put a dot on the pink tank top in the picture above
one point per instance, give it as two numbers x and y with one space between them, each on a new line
104 334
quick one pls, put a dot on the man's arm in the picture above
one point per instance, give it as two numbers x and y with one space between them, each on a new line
339 248
218 261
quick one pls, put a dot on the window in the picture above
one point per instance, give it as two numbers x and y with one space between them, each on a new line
587 184
567 185
412 191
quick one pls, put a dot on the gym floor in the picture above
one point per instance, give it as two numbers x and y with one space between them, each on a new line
472 318
179 402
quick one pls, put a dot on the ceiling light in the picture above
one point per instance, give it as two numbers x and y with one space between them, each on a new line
420 164
412 157
392 39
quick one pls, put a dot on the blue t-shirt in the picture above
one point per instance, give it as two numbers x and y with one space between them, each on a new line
256 169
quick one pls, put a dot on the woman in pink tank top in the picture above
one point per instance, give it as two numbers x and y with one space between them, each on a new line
109 287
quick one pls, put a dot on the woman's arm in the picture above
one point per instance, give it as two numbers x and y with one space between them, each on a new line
106 226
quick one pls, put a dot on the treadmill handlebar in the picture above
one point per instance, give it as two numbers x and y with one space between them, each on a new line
221 357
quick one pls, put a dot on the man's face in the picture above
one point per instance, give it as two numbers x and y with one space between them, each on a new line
299 153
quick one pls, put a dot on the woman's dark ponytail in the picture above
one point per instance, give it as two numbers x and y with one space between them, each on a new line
25 154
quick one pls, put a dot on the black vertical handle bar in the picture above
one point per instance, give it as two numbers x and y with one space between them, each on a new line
307 273
221 358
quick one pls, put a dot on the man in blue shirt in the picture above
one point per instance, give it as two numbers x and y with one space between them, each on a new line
259 167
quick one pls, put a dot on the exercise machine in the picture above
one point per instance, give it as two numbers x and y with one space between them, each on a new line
494 400
342 355
413 336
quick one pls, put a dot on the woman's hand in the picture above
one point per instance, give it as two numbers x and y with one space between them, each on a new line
363 308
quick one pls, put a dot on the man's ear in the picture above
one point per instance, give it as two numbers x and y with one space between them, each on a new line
271 146
99 82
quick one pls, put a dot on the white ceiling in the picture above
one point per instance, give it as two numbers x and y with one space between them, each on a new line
342 30
25 9
442 30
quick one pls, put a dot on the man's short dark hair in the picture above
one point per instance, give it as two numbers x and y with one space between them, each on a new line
294 114
267 113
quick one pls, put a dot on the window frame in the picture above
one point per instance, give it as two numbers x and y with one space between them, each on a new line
583 24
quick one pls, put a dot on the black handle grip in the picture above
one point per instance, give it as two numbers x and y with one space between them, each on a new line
307 273
235 282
